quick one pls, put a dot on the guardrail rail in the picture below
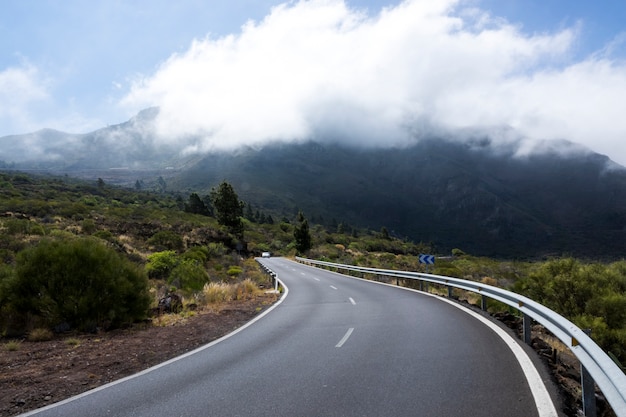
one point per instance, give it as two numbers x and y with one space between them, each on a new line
596 365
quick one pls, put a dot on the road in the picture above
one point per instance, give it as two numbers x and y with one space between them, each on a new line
334 346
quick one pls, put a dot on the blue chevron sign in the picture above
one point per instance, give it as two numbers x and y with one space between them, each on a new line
427 259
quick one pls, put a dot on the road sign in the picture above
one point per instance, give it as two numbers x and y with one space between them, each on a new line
427 259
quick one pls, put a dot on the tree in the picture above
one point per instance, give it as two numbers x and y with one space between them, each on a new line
228 208
162 185
301 234
196 205
81 282
250 213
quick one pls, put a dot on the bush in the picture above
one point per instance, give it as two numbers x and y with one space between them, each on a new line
234 271
189 275
160 264
166 240
80 282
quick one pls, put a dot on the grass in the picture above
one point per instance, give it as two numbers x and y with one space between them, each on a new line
72 341
219 292
40 335
13 345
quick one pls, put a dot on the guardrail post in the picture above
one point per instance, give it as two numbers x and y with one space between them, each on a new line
526 321
589 388
449 291
483 303
421 285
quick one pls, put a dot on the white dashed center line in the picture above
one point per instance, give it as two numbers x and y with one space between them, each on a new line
345 337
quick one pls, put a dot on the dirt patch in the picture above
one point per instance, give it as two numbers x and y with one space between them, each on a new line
41 373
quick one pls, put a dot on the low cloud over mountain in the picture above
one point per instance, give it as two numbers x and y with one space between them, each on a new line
320 70
487 196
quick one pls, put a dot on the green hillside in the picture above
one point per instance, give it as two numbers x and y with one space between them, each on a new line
62 239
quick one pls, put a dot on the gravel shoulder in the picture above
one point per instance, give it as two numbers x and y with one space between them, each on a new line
37 374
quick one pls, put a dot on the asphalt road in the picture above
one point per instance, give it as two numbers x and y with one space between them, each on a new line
334 346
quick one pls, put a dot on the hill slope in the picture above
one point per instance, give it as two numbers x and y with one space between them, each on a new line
471 195
454 195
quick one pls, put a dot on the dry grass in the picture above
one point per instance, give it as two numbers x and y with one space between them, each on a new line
165 320
72 341
216 293
40 335
12 345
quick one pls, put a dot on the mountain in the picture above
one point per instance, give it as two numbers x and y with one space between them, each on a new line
455 195
474 195
130 145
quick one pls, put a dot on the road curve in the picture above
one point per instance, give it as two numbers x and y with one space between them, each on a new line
334 346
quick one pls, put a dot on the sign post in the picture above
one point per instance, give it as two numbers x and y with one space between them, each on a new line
427 260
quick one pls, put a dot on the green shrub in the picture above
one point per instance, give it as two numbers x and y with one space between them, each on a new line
88 226
197 253
234 271
104 235
160 264
81 282
166 240
189 275
216 249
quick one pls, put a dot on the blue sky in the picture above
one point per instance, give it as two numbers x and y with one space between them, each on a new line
547 69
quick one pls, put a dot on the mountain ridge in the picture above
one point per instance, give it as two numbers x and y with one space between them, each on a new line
478 195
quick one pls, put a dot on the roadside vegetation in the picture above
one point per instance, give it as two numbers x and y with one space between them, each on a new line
79 256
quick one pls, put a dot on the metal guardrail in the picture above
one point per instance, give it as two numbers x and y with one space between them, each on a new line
595 362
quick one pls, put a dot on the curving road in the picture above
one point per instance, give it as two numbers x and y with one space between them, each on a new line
335 346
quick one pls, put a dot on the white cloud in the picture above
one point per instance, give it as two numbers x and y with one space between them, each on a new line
20 88
318 69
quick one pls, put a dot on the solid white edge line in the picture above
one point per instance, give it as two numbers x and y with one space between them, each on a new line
345 337
543 401
162 364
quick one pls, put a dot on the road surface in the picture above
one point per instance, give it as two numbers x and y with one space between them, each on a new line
334 346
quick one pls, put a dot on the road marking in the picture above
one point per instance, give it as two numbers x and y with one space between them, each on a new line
345 337
352 301
162 364
333 287
543 401
316 279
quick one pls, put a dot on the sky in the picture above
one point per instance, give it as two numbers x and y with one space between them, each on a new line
365 72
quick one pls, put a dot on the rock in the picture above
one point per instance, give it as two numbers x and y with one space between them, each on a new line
171 303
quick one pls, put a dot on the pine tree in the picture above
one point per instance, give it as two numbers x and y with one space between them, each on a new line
228 208
196 205
301 234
